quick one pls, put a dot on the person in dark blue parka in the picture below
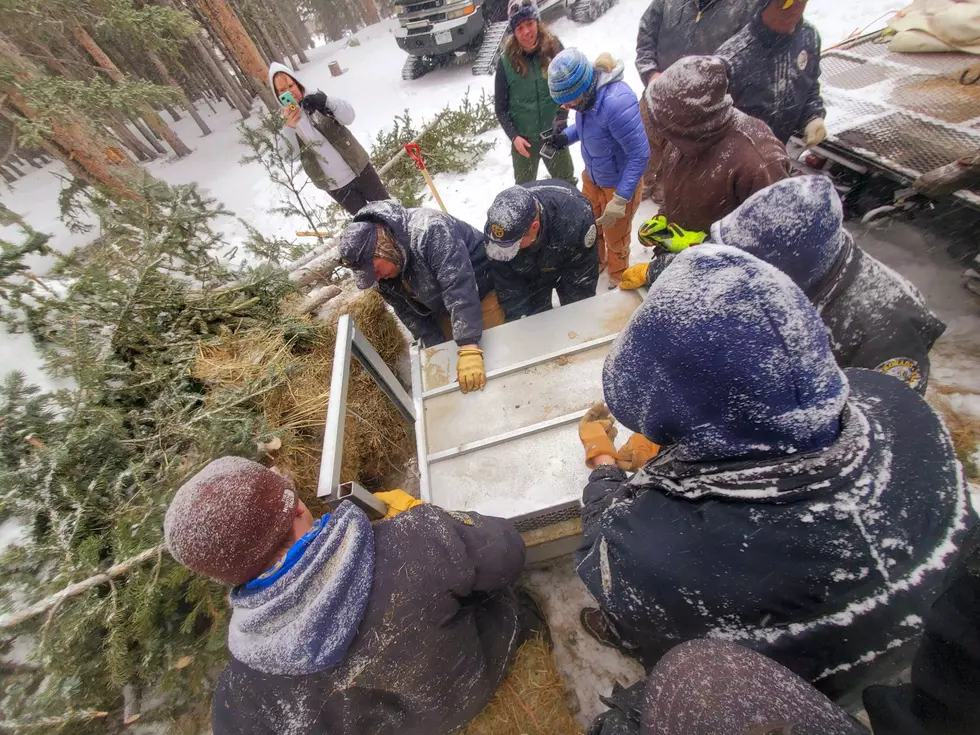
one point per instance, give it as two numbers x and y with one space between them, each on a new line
432 269
774 70
794 508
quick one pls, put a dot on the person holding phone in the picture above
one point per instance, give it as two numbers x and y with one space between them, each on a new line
521 98
315 129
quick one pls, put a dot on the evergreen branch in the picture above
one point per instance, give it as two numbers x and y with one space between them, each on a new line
116 570
49 722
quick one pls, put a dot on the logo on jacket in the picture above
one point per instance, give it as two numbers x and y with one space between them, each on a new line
802 59
902 368
497 231
590 237
461 517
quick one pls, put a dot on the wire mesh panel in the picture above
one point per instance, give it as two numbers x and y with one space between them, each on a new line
547 517
938 96
842 72
909 144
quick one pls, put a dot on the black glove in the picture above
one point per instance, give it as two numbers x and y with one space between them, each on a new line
658 264
316 102
558 126
559 141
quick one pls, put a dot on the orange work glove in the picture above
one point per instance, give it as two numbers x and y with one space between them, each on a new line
636 452
398 501
597 432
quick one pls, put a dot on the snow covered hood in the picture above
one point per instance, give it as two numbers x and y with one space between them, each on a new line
275 67
726 359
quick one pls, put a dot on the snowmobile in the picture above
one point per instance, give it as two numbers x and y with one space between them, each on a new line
438 33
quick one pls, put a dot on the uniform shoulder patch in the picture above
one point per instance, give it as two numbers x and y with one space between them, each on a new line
590 237
461 517
802 59
903 368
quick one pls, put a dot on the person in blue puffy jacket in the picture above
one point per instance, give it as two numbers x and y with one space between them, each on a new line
614 146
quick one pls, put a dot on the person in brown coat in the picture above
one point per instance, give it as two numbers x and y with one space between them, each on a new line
715 157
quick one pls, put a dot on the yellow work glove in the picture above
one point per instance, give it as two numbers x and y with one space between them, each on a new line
469 369
398 501
634 277
597 432
815 132
636 452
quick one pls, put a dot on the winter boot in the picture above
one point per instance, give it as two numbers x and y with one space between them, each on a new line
532 620
597 625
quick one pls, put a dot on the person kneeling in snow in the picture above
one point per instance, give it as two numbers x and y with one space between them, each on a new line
432 269
774 70
316 131
541 238
403 627
802 511
876 318
715 157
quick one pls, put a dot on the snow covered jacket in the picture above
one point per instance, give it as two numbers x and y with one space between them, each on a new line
775 76
671 29
715 157
405 627
328 151
563 257
614 145
876 318
445 272
793 510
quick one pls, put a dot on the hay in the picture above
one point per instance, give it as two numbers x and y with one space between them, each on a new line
531 701
963 427
296 370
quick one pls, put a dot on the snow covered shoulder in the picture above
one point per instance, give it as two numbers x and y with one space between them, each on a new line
803 511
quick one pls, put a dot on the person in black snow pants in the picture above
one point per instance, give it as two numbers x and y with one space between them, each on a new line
541 238
712 686
432 269
876 318
402 627
774 72
316 131
794 508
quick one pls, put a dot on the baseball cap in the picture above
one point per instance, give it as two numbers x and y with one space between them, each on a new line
357 247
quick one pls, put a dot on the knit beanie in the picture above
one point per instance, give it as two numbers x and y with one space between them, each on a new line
230 520
519 11
569 76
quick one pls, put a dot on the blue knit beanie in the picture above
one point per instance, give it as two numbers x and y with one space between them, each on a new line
569 76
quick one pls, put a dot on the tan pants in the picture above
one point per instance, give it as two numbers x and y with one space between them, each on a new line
614 240
493 316
651 177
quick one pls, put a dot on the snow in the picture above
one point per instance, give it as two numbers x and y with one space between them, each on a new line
13 531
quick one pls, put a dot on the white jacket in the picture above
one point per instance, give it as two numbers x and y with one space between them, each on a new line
289 140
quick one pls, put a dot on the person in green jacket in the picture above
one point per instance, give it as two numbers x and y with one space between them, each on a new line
521 98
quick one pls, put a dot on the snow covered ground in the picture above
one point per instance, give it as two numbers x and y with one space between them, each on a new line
373 84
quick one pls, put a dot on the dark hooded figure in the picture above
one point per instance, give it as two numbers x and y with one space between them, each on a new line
877 319
795 509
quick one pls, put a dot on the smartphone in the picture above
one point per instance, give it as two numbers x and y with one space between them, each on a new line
287 100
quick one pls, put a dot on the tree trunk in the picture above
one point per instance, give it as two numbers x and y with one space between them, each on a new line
152 119
371 14
234 93
142 152
84 151
173 113
289 42
169 80
151 138
9 178
242 47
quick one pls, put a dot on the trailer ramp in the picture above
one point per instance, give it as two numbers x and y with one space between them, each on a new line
512 450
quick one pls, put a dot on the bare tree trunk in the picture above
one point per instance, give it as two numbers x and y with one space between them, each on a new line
9 178
142 152
232 92
154 120
150 136
242 47
173 113
371 14
288 42
169 80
